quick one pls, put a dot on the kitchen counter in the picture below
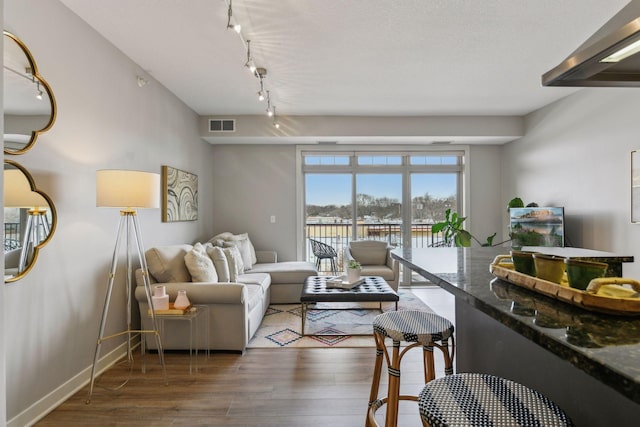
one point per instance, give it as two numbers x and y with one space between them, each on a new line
562 350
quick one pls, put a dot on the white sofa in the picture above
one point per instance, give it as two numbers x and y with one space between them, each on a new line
235 308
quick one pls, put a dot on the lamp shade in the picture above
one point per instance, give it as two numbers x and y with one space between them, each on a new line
127 189
18 192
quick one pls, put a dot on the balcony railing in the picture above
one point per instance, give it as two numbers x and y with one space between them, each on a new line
11 236
338 236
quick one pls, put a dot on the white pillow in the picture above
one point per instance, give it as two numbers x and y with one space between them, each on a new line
242 241
243 250
234 259
247 250
220 262
200 266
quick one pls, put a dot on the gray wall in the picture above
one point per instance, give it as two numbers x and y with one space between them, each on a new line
576 154
105 121
250 184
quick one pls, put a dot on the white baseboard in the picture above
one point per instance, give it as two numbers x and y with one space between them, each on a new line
48 403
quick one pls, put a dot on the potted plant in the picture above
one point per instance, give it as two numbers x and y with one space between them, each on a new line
454 233
353 270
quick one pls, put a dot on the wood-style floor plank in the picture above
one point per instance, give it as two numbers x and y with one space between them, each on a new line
263 387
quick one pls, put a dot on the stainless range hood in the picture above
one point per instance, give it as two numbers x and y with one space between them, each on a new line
608 58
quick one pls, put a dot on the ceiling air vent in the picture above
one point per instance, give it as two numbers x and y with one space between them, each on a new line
222 125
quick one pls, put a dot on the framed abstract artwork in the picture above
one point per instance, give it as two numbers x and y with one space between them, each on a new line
179 195
635 186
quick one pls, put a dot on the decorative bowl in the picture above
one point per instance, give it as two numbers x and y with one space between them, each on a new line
549 267
523 262
580 272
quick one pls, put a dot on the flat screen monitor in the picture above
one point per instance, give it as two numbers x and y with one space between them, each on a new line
539 226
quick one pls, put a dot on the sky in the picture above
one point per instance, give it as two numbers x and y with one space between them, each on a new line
327 189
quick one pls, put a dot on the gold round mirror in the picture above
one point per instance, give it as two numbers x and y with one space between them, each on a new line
29 221
29 104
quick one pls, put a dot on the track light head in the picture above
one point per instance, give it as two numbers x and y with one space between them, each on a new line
40 94
236 27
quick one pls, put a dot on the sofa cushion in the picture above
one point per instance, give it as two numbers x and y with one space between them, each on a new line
369 252
261 279
166 263
287 272
234 260
200 266
220 263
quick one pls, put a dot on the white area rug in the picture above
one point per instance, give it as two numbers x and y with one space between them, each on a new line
281 326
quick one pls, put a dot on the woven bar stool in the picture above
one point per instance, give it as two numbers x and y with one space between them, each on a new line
420 328
484 400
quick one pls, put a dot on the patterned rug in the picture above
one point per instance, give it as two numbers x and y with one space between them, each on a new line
336 324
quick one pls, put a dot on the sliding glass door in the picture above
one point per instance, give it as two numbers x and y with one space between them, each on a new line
362 195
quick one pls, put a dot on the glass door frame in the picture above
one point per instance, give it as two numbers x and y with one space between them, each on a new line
405 169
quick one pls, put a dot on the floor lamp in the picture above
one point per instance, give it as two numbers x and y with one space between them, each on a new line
127 190
19 194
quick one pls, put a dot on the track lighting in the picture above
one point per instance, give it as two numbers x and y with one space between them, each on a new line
269 110
236 27
276 124
250 64
258 72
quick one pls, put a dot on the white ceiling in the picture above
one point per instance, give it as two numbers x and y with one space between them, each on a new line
353 57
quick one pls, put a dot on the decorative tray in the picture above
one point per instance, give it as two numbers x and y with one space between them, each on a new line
605 295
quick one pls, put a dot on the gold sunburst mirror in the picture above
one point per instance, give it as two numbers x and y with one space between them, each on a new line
29 104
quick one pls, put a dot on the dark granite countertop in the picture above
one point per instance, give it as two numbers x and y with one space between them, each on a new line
606 347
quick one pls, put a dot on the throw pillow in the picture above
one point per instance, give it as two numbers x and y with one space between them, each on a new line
220 263
243 249
166 263
200 266
234 259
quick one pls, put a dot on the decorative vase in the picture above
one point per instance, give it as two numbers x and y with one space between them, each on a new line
549 267
160 299
580 272
353 274
181 300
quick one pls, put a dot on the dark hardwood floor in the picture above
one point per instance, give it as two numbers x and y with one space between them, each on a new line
263 387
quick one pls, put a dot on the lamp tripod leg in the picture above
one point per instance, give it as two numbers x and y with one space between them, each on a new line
147 289
105 310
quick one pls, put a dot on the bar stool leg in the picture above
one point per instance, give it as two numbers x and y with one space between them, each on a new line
448 356
394 387
429 364
377 371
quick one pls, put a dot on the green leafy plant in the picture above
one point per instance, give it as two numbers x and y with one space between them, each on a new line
353 264
517 202
454 233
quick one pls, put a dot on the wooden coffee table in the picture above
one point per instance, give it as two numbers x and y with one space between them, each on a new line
374 289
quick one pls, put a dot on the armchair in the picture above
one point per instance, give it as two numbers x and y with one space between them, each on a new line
375 258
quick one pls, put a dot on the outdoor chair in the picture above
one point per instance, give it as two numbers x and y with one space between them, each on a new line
324 251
